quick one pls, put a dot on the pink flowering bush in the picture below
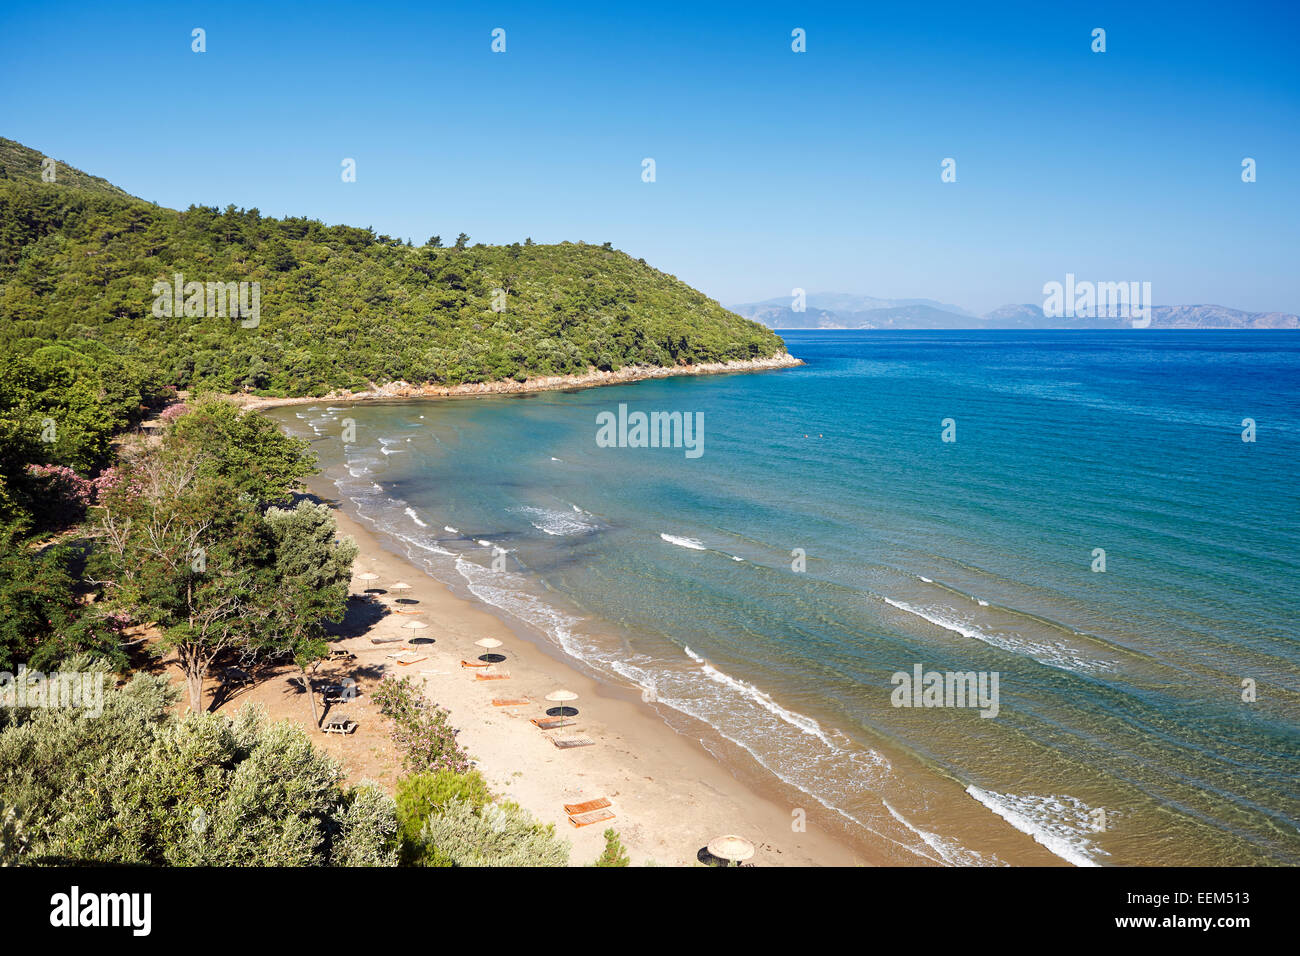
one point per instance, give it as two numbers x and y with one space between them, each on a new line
173 412
421 730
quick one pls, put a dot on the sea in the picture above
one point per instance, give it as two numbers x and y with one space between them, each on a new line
1101 527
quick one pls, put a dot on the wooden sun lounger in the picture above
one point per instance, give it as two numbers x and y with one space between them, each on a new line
566 743
587 819
491 676
576 809
387 640
510 701
407 658
474 664
550 723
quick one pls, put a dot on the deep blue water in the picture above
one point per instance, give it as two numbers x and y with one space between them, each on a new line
1120 690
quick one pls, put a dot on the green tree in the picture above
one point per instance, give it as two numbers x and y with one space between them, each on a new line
310 586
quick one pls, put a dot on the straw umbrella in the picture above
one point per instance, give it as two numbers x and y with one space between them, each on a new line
401 586
734 849
561 697
368 576
488 643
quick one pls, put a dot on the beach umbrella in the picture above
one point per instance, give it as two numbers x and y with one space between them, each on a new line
562 696
414 626
368 576
488 643
732 848
403 587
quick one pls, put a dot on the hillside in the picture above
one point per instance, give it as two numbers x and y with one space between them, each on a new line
23 164
338 306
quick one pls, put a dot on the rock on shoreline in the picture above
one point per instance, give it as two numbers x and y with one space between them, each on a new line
588 379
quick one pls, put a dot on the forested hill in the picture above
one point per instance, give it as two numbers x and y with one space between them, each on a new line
338 306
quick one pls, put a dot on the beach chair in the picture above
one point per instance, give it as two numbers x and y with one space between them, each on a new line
474 664
387 640
551 723
587 819
501 676
574 809
407 658
568 743
510 701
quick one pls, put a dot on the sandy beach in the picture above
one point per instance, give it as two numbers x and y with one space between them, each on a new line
669 794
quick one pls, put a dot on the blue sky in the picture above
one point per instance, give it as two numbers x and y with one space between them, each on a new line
775 170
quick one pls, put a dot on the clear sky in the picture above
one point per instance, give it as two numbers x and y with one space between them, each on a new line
775 169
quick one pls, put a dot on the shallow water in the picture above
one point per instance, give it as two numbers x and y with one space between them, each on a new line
1121 736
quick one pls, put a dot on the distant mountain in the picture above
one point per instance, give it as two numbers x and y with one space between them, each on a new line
835 310
1162 317
844 311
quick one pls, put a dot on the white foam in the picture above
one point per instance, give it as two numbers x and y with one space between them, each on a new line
1053 655
951 852
410 513
764 700
486 544
555 523
691 543
1060 824
449 529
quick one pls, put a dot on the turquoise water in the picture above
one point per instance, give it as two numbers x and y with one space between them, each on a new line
1120 690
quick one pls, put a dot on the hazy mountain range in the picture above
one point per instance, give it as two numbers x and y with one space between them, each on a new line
837 310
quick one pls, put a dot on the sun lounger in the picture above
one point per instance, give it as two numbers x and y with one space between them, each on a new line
474 664
501 676
406 658
587 819
510 701
567 743
551 723
574 809
387 640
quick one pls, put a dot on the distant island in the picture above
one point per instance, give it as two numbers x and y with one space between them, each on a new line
833 310
229 300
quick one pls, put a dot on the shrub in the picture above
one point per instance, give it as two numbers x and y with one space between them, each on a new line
139 786
421 730
422 795
369 829
501 835
614 854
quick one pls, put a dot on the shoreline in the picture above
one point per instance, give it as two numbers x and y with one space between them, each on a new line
671 795
593 378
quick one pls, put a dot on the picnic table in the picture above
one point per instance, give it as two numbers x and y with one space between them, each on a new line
339 723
